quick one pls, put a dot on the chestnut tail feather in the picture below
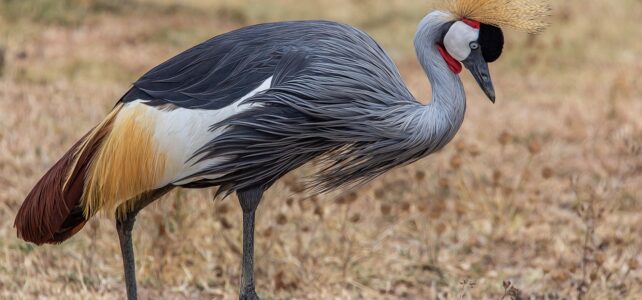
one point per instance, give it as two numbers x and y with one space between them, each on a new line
53 212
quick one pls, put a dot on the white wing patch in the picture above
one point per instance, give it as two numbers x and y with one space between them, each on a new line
181 132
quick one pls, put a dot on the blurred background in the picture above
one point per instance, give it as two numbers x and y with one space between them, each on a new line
538 195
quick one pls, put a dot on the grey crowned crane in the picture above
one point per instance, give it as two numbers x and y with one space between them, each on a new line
241 110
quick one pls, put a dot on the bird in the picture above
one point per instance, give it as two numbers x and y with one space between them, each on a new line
244 108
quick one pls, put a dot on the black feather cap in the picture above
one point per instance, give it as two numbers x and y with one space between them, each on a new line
491 39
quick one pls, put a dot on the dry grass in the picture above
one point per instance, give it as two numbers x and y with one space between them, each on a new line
538 196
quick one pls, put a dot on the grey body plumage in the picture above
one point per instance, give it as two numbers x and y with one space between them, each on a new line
335 95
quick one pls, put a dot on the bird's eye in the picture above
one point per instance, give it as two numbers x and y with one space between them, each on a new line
474 45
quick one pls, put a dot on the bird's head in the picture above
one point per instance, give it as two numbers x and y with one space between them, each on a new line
474 45
468 32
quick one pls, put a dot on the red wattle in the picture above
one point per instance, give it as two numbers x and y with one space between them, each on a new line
453 64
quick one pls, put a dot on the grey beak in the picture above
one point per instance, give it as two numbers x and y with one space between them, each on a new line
477 66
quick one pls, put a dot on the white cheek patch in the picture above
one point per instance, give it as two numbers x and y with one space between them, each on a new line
458 38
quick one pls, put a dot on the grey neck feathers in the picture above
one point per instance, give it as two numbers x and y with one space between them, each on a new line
440 119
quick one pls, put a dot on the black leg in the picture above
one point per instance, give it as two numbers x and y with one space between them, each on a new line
124 226
249 200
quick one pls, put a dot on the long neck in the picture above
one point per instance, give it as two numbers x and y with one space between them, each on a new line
440 119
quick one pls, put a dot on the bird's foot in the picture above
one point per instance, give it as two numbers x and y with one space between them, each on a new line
251 295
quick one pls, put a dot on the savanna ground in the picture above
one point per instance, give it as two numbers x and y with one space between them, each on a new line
538 195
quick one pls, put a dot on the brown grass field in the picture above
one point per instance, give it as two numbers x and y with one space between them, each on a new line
538 197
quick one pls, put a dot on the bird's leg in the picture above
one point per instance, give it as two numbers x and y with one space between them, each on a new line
124 226
249 200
